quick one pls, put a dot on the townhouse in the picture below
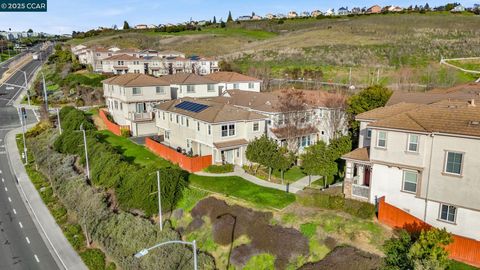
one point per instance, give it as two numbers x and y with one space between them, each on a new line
423 159
122 64
191 85
130 100
319 120
233 80
200 127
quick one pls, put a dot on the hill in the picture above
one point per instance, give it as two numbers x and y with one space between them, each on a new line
398 48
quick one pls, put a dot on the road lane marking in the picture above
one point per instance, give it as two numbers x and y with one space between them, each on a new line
10 200
28 240
6 189
3 180
21 225
0 171
36 258
14 211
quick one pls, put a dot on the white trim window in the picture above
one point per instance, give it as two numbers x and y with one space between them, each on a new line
228 130
136 91
410 180
190 88
369 133
160 90
448 213
198 126
413 142
453 162
210 87
209 130
251 85
256 126
382 139
236 86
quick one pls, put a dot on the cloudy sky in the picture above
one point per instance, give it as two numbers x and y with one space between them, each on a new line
65 16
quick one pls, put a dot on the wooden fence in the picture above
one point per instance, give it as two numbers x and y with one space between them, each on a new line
114 128
462 249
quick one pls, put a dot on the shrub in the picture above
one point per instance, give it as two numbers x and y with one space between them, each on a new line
219 168
125 132
74 235
94 259
355 208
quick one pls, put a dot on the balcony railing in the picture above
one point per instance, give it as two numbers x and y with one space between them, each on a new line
146 116
361 191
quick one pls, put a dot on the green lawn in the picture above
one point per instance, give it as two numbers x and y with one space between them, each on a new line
454 265
240 188
134 152
294 174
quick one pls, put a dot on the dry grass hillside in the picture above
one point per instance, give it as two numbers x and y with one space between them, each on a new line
400 48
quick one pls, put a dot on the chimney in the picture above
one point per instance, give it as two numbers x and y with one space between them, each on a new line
471 103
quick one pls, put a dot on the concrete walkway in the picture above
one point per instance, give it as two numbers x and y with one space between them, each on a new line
58 245
294 187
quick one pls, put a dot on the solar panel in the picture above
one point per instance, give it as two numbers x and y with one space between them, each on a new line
191 106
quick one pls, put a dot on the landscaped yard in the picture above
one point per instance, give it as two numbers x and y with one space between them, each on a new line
293 174
240 188
134 152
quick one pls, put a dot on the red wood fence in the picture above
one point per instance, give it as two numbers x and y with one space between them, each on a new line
462 249
114 128
190 164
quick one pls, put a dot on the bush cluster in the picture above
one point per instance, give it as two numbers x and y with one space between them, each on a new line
355 208
135 186
219 168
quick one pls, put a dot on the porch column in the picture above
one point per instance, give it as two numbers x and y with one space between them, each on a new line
360 174
349 170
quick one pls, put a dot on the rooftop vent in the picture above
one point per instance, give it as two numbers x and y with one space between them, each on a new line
452 106
474 123
471 102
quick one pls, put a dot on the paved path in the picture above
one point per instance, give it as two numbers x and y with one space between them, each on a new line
295 187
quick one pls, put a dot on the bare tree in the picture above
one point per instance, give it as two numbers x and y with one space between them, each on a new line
296 117
336 116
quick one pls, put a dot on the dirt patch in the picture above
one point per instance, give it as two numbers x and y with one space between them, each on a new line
232 221
347 258
99 122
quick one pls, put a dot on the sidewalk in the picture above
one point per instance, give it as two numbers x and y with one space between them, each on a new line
293 188
51 233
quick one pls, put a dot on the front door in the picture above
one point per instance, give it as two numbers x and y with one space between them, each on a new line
227 156
366 177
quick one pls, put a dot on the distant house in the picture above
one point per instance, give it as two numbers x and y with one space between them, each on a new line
152 26
281 16
141 26
292 14
191 85
201 23
374 9
330 12
233 80
343 11
305 14
122 64
256 17
316 13
270 16
394 9
458 8
356 10
244 18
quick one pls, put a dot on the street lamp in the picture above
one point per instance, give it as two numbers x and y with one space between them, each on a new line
24 85
86 149
22 114
145 251
160 219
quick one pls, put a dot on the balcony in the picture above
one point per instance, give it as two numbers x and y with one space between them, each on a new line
139 117
361 191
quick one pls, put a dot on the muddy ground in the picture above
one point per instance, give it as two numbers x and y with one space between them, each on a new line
346 258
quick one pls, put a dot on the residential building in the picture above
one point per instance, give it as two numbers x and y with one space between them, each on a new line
424 160
316 13
141 26
394 9
356 10
458 8
292 14
256 17
191 85
321 119
270 16
305 14
343 11
130 99
122 64
205 127
330 12
244 18
232 80
280 16
374 9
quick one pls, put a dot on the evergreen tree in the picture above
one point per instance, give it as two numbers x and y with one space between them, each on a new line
427 7
214 20
126 25
229 19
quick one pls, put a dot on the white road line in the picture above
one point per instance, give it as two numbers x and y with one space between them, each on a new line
6 189
0 171
10 200
36 258
21 225
3 180
14 211
28 240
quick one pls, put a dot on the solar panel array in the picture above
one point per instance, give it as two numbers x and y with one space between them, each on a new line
191 106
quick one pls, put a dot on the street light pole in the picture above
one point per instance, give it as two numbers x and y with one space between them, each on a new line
86 150
26 85
145 251
59 123
22 118
160 219
45 92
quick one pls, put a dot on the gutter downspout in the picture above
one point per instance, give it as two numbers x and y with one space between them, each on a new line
429 175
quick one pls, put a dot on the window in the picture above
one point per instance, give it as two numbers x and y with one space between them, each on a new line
160 90
171 117
209 130
382 139
413 143
120 63
211 88
167 134
121 106
256 126
369 133
410 179
136 91
163 113
448 212
228 130
198 126
236 86
190 88
188 123
116 105
181 120
304 141
250 85
177 118
453 163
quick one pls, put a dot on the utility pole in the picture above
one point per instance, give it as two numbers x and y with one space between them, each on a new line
86 150
59 123
22 115
45 93
160 204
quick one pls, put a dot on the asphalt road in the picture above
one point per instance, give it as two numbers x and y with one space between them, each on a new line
21 246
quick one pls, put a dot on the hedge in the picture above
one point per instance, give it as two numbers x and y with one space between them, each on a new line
94 259
335 202
219 168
